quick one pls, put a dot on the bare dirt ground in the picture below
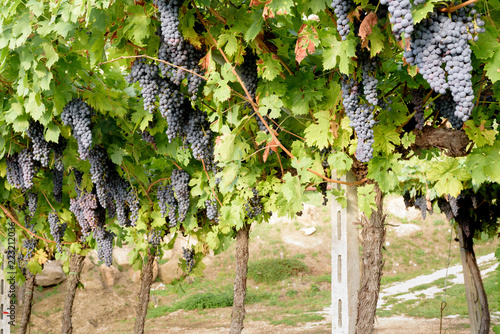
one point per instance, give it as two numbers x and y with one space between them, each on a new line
98 309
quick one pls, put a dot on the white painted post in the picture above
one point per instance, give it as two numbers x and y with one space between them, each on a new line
4 297
345 261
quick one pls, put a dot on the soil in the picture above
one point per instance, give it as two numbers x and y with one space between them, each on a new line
99 309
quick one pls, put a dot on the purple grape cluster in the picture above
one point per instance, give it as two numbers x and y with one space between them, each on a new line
148 138
370 82
27 164
212 211
401 18
361 118
78 115
254 205
442 40
15 172
167 203
147 76
57 229
341 9
32 199
41 149
180 184
156 237
446 107
104 239
188 255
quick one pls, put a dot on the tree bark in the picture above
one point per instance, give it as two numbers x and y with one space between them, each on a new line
240 280
146 281
371 265
484 327
29 286
75 268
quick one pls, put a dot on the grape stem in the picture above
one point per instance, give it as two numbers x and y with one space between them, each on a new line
256 109
9 214
457 7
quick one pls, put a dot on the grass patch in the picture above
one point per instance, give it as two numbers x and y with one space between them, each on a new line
274 270
207 300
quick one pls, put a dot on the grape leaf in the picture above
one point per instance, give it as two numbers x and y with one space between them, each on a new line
386 138
482 164
366 199
343 50
492 66
269 66
448 175
318 134
479 134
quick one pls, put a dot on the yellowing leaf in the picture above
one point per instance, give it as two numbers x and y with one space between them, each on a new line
448 175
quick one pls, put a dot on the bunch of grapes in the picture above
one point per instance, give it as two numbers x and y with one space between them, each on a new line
57 229
361 118
41 149
446 107
172 108
200 137
188 255
401 18
147 75
175 50
368 66
421 203
27 164
78 115
212 212
254 205
442 40
180 184
104 240
32 199
30 243
148 138
167 202
341 9
15 172
156 237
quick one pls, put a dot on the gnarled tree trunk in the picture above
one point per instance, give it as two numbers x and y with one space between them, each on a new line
371 265
146 281
468 248
29 286
240 280
75 268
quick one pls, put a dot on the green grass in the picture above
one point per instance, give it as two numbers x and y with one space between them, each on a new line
275 270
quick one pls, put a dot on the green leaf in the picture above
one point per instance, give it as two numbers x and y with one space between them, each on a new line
343 50
319 134
229 176
376 39
269 67
137 24
63 28
487 44
384 171
385 138
408 139
420 12
492 66
255 27
482 164
366 199
448 175
50 54
272 103
35 107
479 134
317 5
22 28
292 189
340 161
117 154
52 132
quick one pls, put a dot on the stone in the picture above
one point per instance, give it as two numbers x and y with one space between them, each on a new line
110 275
120 257
396 207
406 230
170 271
51 274
87 265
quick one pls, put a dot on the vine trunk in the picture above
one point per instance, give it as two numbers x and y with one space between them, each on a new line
75 269
29 286
240 280
468 247
146 281
373 234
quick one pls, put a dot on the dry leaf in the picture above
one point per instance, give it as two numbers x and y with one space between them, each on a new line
304 44
355 13
365 29
205 61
